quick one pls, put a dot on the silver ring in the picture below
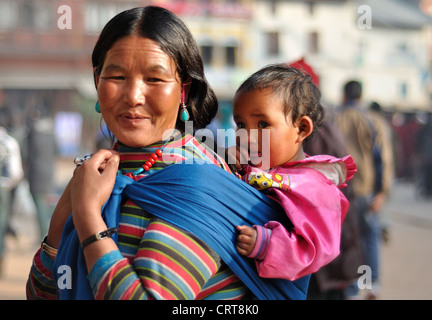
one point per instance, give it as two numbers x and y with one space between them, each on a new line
79 161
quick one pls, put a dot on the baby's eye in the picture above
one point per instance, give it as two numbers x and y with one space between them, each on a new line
262 124
240 125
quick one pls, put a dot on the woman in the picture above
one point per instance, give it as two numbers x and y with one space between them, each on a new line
158 230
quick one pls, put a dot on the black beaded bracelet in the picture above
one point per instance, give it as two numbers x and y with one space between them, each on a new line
99 236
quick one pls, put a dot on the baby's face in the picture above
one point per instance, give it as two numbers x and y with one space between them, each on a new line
273 139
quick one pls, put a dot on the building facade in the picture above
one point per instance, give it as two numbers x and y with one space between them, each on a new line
384 44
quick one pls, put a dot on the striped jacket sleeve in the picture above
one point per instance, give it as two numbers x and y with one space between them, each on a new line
262 241
40 284
170 264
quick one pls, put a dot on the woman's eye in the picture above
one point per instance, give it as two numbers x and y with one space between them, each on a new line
240 125
115 77
154 80
263 124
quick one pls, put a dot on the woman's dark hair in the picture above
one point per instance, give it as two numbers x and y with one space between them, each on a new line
175 39
298 93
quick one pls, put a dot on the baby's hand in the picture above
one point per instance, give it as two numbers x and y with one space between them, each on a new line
246 240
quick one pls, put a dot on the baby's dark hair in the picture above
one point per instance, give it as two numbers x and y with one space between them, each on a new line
299 94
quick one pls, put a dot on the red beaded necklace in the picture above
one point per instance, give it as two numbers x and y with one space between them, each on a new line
147 164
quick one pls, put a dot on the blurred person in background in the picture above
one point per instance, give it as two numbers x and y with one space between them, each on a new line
384 141
329 282
11 174
424 161
363 143
41 165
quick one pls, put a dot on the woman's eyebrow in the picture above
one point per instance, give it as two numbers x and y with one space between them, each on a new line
113 67
159 68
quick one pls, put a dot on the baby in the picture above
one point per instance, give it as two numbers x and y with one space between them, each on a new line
283 106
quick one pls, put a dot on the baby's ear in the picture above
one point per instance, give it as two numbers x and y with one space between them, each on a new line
305 126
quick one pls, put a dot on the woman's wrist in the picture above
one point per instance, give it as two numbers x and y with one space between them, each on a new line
108 233
49 251
55 230
88 223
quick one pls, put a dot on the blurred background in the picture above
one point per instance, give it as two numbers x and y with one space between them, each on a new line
47 94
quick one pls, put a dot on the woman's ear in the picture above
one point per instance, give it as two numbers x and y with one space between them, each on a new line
305 126
96 77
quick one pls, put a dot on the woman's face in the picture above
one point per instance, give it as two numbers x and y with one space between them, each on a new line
139 91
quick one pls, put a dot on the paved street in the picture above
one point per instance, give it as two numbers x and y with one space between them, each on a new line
406 258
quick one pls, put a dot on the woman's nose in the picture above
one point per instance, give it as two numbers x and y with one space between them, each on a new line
135 93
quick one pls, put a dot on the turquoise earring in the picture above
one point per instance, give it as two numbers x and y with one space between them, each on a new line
97 107
184 114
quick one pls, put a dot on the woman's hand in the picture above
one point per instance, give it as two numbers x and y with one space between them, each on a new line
93 181
90 187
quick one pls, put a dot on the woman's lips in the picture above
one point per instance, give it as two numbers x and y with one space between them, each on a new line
133 118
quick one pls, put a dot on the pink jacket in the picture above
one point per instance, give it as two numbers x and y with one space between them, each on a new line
309 192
